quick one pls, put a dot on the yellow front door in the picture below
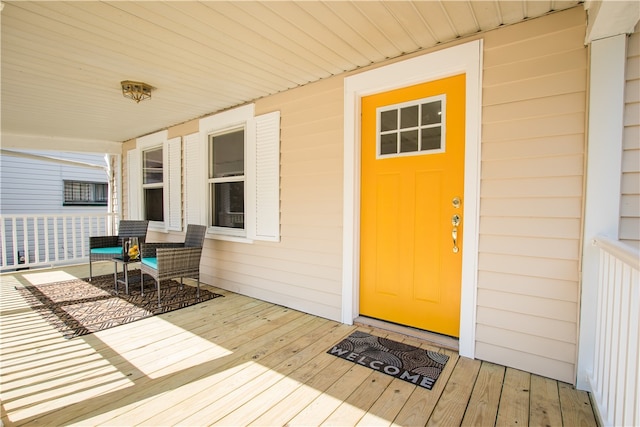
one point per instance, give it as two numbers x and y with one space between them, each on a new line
411 205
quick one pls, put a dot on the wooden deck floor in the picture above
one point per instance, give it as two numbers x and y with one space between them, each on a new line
240 361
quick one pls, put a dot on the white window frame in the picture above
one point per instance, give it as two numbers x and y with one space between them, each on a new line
228 231
217 124
154 185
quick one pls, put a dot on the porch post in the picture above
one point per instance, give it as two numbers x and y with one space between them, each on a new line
603 175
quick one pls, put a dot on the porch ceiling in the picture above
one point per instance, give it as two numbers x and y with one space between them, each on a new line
62 62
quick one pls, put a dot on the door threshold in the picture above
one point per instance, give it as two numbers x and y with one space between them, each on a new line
431 337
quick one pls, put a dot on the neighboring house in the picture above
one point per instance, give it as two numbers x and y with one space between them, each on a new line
50 184
328 225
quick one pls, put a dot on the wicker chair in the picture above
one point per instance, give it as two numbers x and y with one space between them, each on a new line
168 260
107 247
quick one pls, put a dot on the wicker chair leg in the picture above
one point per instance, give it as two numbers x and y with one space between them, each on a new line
141 283
159 302
90 270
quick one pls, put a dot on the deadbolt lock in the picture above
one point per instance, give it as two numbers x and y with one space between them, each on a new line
456 202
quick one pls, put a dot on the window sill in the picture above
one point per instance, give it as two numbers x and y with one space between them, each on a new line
157 226
227 238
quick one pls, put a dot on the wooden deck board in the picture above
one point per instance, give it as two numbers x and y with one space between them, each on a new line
389 404
354 407
545 402
576 406
453 402
483 404
514 402
421 403
240 361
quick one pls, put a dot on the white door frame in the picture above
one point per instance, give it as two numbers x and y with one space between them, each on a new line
463 58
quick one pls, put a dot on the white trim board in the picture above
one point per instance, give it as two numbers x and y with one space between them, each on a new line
465 58
602 185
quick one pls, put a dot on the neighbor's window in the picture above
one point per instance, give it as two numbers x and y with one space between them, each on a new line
152 184
226 179
416 127
85 193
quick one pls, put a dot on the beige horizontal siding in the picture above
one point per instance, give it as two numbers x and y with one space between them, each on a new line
533 126
559 331
562 228
528 286
540 364
539 247
304 270
630 198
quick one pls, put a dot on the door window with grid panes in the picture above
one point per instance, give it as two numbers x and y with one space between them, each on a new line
410 128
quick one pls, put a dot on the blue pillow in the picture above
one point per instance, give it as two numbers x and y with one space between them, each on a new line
151 262
117 250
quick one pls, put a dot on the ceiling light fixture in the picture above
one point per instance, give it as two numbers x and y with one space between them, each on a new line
137 91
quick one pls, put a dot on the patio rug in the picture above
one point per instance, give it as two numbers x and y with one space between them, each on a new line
406 362
79 307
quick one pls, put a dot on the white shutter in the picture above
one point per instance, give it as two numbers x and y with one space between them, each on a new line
133 184
267 178
174 147
193 196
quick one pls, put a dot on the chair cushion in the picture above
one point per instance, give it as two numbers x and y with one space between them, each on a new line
151 262
117 250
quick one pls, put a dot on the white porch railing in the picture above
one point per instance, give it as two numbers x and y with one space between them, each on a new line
48 240
615 382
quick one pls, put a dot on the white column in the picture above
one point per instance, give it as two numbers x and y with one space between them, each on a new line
604 170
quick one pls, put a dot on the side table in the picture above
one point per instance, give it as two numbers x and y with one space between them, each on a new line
125 269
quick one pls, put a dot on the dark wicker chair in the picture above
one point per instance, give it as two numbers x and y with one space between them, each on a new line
103 248
168 260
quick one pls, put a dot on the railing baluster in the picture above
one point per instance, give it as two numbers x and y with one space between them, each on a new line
25 239
55 238
47 257
4 242
14 241
74 233
65 244
36 240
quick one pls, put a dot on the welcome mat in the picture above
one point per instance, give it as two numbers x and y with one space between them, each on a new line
79 307
406 362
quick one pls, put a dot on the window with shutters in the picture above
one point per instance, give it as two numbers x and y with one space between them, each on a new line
155 181
242 175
